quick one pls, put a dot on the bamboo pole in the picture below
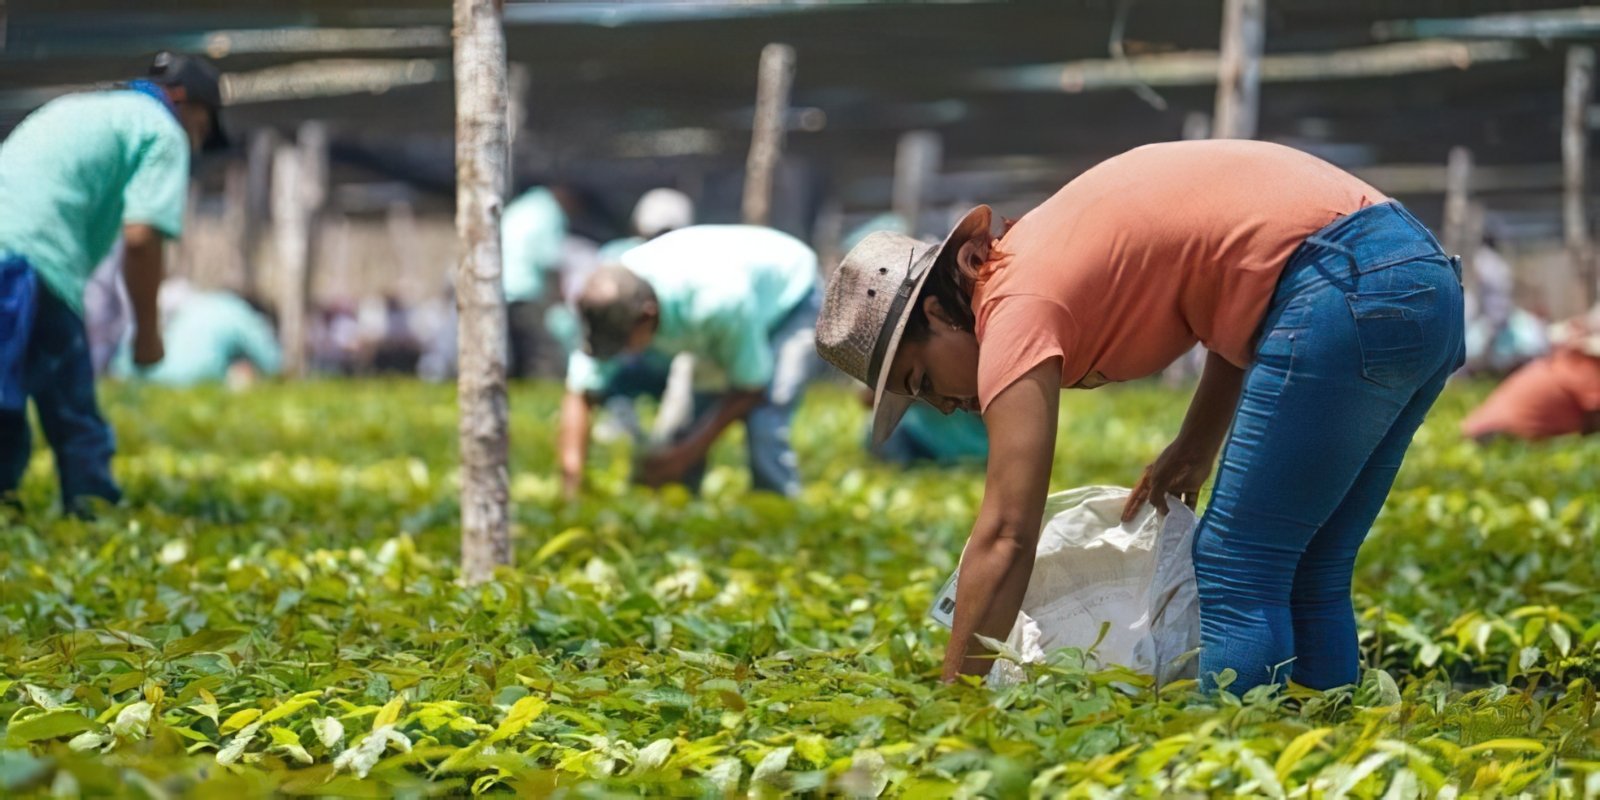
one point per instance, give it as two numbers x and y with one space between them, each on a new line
1239 71
775 75
1574 160
481 156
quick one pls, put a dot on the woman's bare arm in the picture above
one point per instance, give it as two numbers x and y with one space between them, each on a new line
999 556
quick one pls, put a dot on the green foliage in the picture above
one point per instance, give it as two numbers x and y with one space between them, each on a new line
276 612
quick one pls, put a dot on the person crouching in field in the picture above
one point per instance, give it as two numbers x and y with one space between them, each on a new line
75 174
743 300
1555 395
1332 317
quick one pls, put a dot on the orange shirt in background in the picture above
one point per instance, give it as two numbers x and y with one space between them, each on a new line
1135 260
1551 396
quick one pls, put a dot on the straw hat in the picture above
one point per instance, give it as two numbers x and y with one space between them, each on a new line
868 303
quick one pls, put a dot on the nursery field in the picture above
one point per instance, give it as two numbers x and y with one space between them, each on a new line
275 612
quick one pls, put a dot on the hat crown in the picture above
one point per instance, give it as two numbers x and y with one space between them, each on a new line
856 306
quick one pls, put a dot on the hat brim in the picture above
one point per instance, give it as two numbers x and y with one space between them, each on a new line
887 407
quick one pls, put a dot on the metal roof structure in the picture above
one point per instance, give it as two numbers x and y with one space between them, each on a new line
1024 94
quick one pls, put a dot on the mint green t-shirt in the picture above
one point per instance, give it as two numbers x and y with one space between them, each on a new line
77 170
611 252
532 229
722 290
203 337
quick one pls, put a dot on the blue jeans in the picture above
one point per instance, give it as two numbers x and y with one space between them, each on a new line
58 374
1362 332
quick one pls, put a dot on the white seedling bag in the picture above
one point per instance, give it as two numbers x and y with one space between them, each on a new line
1090 570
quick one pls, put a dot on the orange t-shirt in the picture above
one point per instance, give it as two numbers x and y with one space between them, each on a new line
1548 397
1135 260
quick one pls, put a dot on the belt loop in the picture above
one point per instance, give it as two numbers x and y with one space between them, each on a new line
1355 267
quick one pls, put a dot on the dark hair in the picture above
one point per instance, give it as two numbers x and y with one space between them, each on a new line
950 284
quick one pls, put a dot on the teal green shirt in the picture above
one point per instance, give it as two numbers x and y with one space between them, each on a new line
611 252
531 231
955 437
77 170
204 336
722 289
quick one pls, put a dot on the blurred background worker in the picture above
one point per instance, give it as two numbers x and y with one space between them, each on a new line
211 337
1500 335
532 231
743 300
74 175
1556 395
925 435
659 211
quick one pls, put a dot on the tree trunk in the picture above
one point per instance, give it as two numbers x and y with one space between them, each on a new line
1239 72
481 156
1574 159
766 142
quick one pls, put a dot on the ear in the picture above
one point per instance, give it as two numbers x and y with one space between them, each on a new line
935 310
973 252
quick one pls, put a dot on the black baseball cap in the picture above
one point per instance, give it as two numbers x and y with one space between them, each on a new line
201 82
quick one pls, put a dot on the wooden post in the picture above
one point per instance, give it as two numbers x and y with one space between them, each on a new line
1239 72
481 156
1574 160
916 162
1457 196
766 141
257 204
1472 235
516 119
235 223
299 179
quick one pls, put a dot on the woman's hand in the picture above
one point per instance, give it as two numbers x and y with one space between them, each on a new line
1184 466
1180 471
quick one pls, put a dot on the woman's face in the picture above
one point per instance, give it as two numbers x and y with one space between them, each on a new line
941 369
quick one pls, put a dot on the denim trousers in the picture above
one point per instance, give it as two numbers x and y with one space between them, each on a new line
53 367
773 465
1364 328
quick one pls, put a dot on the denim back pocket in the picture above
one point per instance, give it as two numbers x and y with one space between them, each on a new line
1389 326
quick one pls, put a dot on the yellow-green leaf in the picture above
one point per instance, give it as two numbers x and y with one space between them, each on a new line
205 640
522 713
49 725
1511 745
239 719
290 706
558 543
1299 749
390 712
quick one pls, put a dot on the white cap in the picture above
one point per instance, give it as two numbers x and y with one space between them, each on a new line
662 210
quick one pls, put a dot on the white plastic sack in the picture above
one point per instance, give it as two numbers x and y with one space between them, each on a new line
1091 569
